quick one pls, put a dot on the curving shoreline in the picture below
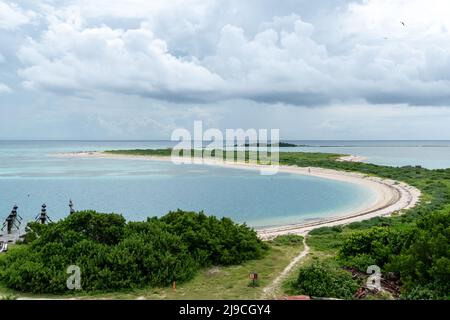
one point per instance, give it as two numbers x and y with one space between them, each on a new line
391 196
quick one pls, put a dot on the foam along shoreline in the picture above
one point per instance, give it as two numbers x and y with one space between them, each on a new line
391 196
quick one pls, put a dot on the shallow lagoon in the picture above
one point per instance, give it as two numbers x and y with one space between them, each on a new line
29 176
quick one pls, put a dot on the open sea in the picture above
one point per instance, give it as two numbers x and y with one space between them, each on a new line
31 176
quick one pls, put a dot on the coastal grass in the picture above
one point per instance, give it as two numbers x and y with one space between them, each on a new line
233 282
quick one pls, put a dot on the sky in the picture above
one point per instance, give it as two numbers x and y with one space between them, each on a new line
138 69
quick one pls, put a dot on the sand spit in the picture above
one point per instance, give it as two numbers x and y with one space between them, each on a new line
391 196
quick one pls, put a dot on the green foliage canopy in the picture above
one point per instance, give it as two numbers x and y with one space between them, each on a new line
113 254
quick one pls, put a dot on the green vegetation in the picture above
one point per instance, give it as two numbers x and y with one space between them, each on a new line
319 279
258 144
215 282
231 282
143 152
416 252
285 240
115 255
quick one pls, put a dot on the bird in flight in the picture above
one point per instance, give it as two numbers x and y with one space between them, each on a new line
403 23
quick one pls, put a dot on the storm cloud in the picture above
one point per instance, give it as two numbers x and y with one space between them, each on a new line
203 51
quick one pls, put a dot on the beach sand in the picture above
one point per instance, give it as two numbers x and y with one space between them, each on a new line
352 158
391 196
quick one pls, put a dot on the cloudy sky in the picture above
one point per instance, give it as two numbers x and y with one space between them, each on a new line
137 69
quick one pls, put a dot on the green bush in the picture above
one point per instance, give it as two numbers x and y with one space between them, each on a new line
424 265
422 293
321 280
113 254
360 262
377 245
214 241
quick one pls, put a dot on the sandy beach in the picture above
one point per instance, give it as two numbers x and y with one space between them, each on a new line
352 158
391 196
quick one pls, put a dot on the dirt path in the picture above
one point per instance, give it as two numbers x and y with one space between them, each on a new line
272 290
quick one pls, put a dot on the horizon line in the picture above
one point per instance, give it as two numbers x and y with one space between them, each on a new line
168 140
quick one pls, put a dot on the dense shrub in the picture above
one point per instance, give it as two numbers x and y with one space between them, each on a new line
214 241
419 253
424 265
375 245
321 280
113 254
420 292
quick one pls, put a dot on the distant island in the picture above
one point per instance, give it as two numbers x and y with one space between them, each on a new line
280 144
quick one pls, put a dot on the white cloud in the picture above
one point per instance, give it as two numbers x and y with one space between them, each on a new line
364 54
12 16
4 88
70 58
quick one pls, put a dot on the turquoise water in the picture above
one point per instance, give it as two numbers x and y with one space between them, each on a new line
30 176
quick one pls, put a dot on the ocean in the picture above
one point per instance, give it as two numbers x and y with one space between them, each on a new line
30 175
431 154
